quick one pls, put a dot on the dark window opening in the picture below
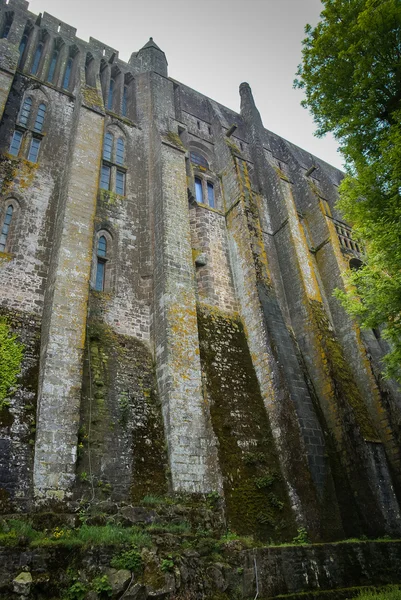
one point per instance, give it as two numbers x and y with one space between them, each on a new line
125 102
36 60
67 74
52 68
101 263
7 24
110 95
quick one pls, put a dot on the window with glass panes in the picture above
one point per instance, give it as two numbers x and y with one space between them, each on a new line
6 227
15 143
40 117
112 177
25 112
101 263
34 150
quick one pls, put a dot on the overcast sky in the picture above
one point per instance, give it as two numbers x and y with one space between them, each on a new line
212 46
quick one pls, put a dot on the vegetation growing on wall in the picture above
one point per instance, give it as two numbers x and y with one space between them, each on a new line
255 494
351 77
11 354
121 415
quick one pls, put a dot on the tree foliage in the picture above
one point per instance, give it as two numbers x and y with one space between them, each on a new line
351 76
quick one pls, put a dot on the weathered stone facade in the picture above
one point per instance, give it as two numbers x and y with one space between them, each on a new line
169 266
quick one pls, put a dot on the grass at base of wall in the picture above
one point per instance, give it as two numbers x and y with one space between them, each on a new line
391 592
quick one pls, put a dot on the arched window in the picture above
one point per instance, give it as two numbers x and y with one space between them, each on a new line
6 227
36 60
110 95
52 68
67 73
120 151
40 117
25 111
101 263
108 146
199 160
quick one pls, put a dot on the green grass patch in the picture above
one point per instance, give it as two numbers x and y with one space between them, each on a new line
388 593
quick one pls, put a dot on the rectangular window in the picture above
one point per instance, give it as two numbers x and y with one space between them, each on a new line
15 143
120 183
34 150
105 178
100 271
210 194
198 189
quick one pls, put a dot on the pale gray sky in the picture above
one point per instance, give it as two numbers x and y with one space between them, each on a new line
212 46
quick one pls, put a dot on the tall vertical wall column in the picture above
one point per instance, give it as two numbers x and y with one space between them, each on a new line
64 331
191 443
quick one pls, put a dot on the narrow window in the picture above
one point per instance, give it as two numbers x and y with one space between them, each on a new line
105 178
210 130
22 47
120 151
52 67
198 124
110 96
198 190
67 74
125 101
210 194
34 150
5 228
101 263
36 60
7 24
120 182
90 75
15 143
40 117
108 146
25 111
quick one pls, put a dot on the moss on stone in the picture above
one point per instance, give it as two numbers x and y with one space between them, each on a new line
11 355
124 407
241 425
175 139
340 373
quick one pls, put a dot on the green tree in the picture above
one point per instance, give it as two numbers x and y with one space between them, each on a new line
351 76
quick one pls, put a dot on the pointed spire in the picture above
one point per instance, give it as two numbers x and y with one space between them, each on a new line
151 44
152 58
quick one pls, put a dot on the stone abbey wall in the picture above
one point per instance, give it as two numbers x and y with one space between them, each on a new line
212 356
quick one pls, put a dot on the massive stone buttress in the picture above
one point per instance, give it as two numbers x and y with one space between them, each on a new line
169 266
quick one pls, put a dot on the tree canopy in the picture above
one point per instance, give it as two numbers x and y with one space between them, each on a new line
351 76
